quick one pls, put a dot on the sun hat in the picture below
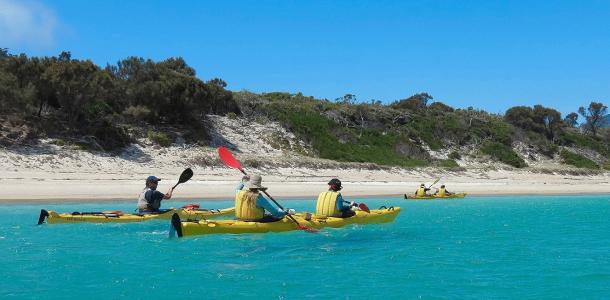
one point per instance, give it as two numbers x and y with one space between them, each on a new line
255 182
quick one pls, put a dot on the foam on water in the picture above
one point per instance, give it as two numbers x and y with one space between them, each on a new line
475 248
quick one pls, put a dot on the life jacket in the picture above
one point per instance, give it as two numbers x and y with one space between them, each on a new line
327 204
421 192
441 192
142 203
245 210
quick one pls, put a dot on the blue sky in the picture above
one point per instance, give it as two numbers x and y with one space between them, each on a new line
487 54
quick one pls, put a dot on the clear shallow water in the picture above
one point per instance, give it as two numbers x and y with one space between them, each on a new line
476 248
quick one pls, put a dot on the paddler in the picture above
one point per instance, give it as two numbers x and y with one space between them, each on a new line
250 205
332 204
442 192
421 191
150 198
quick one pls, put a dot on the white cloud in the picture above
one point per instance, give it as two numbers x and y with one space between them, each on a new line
26 23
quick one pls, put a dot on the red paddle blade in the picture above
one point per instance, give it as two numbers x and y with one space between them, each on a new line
227 158
363 207
308 229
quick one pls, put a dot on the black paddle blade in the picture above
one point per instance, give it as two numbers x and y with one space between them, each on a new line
186 175
176 226
43 215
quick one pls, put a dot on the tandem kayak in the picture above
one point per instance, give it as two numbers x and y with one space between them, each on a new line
120 217
453 196
190 228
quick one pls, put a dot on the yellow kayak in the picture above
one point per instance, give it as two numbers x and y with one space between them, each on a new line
190 228
432 197
53 217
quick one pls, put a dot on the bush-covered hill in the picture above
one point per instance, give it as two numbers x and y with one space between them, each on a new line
106 108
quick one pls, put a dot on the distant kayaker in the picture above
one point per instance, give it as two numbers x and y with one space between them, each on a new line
442 192
250 205
421 191
150 198
332 204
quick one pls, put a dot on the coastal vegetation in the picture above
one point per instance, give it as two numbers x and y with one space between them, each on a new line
73 101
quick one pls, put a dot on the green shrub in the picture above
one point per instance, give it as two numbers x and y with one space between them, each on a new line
606 166
58 142
455 155
138 112
577 160
339 143
448 163
231 115
160 138
571 138
503 153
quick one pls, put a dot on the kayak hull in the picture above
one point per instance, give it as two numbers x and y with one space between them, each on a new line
192 228
454 196
53 217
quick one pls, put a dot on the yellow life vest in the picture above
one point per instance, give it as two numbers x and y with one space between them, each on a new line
441 192
327 204
246 211
421 192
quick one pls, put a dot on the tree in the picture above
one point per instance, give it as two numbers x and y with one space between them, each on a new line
416 102
571 119
440 106
594 116
346 99
522 117
549 118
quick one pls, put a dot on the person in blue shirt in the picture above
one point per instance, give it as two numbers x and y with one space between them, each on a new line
250 205
332 204
150 199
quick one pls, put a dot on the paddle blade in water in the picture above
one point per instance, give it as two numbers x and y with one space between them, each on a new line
227 158
186 175
307 229
363 207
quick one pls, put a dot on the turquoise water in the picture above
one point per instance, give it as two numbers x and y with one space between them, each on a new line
475 248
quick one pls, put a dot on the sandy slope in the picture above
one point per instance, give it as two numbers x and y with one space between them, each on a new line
51 173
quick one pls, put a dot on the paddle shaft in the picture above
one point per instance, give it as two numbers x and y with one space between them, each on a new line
434 182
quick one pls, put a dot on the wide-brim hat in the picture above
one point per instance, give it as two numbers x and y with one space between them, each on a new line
256 182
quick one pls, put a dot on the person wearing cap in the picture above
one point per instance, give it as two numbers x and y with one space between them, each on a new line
150 198
250 205
332 204
442 192
421 191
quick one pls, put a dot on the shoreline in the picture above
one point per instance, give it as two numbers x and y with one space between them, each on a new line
82 177
92 191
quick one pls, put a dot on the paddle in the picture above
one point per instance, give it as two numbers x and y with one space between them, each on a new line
227 157
435 181
184 177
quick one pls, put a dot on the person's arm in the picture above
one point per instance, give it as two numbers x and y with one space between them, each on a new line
242 183
264 203
239 186
168 195
342 205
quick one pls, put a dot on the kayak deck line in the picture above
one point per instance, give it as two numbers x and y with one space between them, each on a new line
182 228
52 217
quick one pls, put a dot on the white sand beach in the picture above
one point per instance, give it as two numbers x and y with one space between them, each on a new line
86 177
51 173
